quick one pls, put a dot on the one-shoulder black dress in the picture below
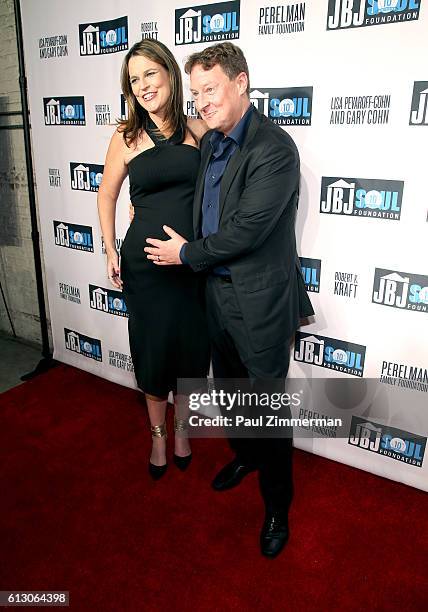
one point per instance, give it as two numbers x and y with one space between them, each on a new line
167 329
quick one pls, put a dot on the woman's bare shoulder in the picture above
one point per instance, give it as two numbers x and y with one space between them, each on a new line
198 127
120 143
117 138
118 150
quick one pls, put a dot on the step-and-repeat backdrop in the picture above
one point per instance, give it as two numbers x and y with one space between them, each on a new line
348 79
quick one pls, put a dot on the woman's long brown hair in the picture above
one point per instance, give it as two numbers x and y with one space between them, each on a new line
137 116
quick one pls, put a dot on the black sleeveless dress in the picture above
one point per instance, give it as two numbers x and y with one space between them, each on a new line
167 329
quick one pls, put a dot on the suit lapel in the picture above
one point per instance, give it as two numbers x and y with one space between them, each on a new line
237 159
199 189
228 176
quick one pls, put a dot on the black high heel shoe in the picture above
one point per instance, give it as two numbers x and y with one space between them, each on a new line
157 471
181 462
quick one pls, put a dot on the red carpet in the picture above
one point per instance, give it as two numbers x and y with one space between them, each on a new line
79 512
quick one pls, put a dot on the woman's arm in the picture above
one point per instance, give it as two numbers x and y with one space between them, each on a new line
115 171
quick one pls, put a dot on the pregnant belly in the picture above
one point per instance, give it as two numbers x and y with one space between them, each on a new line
132 251
149 222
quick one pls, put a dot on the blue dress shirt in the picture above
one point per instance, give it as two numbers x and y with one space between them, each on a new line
223 147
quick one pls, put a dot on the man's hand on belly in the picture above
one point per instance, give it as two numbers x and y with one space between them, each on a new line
165 252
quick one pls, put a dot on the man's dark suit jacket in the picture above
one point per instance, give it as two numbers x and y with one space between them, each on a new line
258 202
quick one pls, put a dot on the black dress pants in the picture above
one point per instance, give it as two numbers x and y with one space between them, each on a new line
233 358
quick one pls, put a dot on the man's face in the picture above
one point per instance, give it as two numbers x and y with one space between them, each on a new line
219 100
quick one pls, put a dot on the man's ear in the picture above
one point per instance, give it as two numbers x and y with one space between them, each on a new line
242 80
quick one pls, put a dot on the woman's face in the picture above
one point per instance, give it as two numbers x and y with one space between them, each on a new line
149 83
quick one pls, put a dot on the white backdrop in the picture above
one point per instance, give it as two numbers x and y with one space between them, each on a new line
348 80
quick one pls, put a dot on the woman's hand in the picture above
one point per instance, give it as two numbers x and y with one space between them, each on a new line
113 270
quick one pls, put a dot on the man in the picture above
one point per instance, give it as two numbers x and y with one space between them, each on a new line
244 214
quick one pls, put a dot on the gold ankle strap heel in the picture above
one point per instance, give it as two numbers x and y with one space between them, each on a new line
159 431
157 471
180 424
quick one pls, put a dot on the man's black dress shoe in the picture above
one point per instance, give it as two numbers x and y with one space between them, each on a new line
231 475
274 534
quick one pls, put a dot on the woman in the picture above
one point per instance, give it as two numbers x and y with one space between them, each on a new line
158 147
